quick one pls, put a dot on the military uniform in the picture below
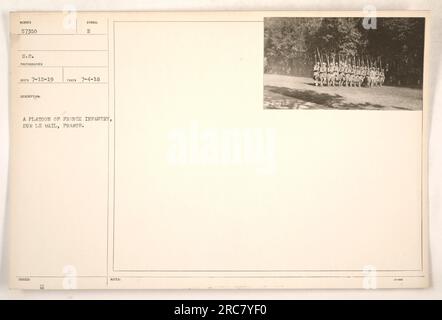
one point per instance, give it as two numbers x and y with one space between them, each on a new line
316 68
382 78
347 75
356 73
331 74
335 74
323 73
341 75
372 77
378 77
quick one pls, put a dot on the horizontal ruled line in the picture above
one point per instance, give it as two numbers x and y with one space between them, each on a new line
37 66
62 50
61 82
61 277
208 276
257 271
167 21
60 34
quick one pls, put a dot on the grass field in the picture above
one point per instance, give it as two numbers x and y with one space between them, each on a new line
286 92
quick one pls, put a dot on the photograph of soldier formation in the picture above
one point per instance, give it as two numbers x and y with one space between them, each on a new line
343 63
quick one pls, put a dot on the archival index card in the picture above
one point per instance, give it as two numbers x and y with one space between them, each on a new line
218 150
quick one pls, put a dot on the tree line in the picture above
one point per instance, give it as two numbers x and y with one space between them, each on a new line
291 45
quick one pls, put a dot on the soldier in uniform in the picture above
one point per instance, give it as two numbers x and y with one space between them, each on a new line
372 77
335 74
375 81
365 75
352 75
382 77
347 75
358 76
361 76
378 77
316 68
323 74
355 75
329 73
341 72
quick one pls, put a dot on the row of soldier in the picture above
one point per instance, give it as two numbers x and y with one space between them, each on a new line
347 74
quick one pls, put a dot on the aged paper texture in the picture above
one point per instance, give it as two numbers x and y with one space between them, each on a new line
218 150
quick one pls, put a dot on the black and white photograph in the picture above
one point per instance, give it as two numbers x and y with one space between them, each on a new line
346 63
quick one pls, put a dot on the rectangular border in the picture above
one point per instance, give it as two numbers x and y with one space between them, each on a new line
302 14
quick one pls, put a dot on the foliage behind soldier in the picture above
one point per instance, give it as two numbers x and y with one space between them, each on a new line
291 44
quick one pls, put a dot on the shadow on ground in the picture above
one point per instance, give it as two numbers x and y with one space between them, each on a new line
308 95
318 100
